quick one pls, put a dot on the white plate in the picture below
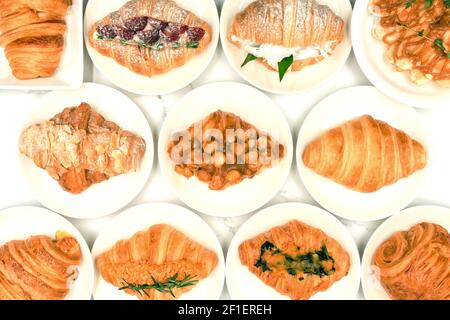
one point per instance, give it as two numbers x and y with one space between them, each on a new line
102 198
252 106
294 82
243 284
142 217
69 75
336 109
370 54
20 223
171 81
402 221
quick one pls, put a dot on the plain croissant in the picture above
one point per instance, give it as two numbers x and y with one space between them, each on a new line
38 268
142 60
288 23
365 155
32 33
159 253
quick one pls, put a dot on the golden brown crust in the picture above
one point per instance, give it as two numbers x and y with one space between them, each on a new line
365 155
159 252
146 61
38 268
295 238
415 264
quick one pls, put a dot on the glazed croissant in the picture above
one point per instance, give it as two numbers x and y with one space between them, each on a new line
291 24
150 37
415 264
295 259
32 33
38 268
157 254
365 155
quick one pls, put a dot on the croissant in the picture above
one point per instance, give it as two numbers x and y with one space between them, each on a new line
415 264
32 33
365 155
150 37
78 148
274 29
38 268
156 256
295 259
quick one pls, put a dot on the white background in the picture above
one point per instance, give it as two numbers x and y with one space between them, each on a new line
16 105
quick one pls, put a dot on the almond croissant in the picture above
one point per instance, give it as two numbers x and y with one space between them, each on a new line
150 37
365 155
32 33
301 24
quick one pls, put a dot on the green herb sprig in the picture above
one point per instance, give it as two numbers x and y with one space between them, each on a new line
428 3
283 65
163 287
439 43
409 3
447 3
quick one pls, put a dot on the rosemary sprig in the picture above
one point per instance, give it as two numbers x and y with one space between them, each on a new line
439 43
163 287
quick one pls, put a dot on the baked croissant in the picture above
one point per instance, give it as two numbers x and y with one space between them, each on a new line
32 33
38 268
295 259
365 154
275 29
156 255
78 148
415 264
150 37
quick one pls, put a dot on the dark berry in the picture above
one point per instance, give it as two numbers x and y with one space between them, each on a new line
173 31
107 31
195 34
136 24
148 36
125 34
157 24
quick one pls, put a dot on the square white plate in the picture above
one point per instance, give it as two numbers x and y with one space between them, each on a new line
69 75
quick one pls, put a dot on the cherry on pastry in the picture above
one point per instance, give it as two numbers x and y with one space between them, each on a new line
173 31
107 31
136 23
157 24
125 34
149 36
195 34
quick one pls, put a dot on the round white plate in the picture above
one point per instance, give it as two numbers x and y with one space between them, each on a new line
403 221
243 284
171 81
370 54
252 106
20 223
336 109
294 82
142 217
102 198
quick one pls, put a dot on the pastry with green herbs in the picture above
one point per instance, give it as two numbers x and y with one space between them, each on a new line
150 37
286 35
295 259
160 263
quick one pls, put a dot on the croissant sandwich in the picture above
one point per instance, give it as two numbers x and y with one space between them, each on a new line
295 259
38 268
150 37
286 34
160 263
365 155
32 35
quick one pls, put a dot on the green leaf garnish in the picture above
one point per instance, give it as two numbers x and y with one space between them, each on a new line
420 33
409 3
100 37
163 287
175 45
447 3
192 45
250 57
428 3
284 65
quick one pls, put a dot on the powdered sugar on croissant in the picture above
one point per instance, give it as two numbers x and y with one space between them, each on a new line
275 29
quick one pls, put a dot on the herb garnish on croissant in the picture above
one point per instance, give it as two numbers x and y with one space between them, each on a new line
150 37
365 155
286 34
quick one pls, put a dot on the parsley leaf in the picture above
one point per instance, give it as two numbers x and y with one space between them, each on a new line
409 3
447 3
428 3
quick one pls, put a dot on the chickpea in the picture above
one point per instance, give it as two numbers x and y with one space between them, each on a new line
233 176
